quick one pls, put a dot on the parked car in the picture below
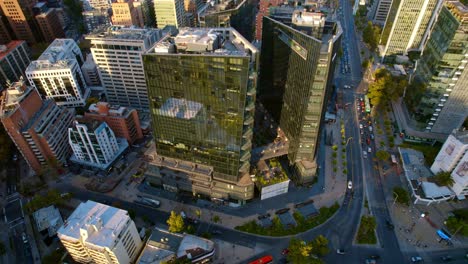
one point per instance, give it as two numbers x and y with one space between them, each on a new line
182 213
416 259
285 251
446 258
25 238
340 251
350 185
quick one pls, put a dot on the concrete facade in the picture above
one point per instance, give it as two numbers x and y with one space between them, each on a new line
14 59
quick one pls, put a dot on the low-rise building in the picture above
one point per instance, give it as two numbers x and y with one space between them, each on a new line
123 121
94 144
14 59
101 234
57 74
164 246
38 128
48 219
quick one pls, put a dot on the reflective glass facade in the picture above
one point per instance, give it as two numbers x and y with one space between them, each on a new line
295 81
441 107
202 107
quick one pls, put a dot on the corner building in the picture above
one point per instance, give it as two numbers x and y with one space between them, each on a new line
297 62
202 88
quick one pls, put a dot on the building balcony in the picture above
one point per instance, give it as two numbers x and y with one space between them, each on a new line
248 133
244 167
247 145
245 156
248 120
250 106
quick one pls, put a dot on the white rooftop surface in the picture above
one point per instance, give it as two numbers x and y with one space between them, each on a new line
432 190
192 242
57 56
180 108
48 217
308 18
195 35
103 223
122 33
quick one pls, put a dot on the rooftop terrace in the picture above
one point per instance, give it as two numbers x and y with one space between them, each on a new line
59 55
13 96
216 41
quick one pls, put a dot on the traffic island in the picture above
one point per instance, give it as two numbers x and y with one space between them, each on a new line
277 229
366 232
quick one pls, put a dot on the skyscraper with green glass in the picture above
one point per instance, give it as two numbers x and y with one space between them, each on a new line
202 89
297 64
440 105
407 25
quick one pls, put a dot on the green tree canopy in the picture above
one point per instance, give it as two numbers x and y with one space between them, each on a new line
443 178
401 195
386 88
382 155
320 246
175 222
299 251
458 225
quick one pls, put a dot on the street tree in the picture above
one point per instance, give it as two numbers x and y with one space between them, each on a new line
444 178
299 251
382 155
401 195
320 246
175 222
457 225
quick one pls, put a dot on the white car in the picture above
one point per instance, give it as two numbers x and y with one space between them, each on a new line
361 126
350 185
364 153
25 238
370 128
369 149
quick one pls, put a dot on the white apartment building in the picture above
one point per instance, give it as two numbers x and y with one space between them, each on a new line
94 144
101 234
117 52
453 157
169 13
57 75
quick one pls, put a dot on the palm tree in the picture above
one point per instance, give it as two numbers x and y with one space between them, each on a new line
444 178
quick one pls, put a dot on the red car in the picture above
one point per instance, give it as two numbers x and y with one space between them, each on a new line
368 141
285 251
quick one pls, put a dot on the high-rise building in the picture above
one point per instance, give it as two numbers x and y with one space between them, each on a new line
5 36
297 61
124 14
56 74
381 11
264 7
101 234
49 23
145 11
442 106
407 25
90 72
453 158
117 52
122 120
202 88
191 11
14 59
38 128
94 144
169 13
97 4
229 13
96 18
21 19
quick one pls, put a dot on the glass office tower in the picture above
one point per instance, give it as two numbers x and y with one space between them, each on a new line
202 88
442 106
297 64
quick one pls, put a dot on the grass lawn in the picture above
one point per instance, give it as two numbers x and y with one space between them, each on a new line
366 232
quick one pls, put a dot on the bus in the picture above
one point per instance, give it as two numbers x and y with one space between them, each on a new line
263 260
367 103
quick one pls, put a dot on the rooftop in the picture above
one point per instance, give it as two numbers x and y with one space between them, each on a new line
163 244
102 223
122 33
92 125
13 96
217 6
104 108
461 135
413 163
58 55
48 218
6 49
216 41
